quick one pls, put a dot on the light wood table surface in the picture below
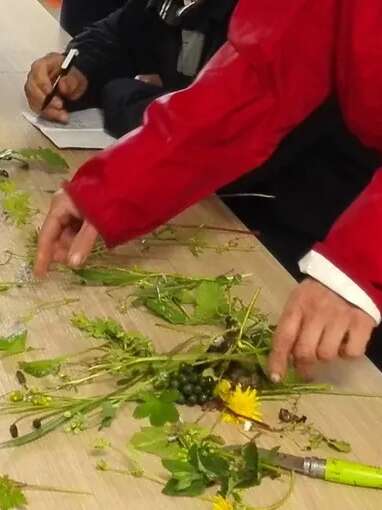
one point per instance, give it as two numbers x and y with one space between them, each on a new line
27 31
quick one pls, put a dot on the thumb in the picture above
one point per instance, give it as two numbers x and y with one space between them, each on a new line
82 245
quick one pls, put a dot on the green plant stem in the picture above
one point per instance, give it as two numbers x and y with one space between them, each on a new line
163 243
150 478
47 306
47 488
213 228
280 503
247 315
83 380
346 394
125 392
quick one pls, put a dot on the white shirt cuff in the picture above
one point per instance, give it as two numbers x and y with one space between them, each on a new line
321 269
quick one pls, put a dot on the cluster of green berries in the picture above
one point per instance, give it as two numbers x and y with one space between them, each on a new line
193 387
77 423
35 397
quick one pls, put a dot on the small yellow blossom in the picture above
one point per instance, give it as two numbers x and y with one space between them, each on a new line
220 503
228 417
244 403
222 389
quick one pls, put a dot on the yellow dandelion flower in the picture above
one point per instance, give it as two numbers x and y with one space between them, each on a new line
228 417
222 389
245 403
220 503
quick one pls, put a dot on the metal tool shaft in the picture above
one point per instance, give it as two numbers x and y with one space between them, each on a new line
314 467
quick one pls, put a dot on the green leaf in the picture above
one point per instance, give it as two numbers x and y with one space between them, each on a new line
178 467
42 368
214 464
14 344
211 302
167 310
53 160
159 410
251 457
109 412
17 207
7 186
339 446
155 440
98 328
186 479
246 473
108 276
111 330
185 297
195 488
11 495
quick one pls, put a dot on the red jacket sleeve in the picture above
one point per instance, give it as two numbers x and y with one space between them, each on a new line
354 242
274 70
359 69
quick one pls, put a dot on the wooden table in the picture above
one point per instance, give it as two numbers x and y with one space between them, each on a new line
27 31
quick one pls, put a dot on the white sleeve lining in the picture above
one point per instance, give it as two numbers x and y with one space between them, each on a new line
320 268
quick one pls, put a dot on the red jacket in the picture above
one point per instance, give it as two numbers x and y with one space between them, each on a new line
283 58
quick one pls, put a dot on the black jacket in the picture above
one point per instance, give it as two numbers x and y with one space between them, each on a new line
135 40
78 14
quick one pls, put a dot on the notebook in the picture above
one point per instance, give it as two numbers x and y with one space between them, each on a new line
83 131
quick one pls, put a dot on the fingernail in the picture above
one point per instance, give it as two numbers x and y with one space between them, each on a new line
275 378
75 260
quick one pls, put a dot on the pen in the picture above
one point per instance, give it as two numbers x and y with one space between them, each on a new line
65 67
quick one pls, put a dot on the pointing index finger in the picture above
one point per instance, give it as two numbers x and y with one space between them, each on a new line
50 232
283 341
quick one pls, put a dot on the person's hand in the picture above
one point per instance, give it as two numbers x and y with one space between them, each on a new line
40 83
317 325
65 236
150 79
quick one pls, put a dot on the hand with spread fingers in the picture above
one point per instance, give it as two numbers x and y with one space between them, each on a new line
65 236
40 83
317 325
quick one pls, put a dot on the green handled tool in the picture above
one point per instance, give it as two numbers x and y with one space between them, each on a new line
331 470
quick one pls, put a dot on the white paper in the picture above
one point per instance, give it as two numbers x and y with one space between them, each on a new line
83 131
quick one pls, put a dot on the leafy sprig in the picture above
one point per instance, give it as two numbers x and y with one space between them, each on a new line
53 161
15 204
160 409
193 237
197 459
12 492
14 343
176 299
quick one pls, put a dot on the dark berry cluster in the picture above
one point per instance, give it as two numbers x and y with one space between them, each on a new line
193 387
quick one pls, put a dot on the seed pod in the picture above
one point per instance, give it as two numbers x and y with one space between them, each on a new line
13 430
285 416
36 423
21 378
